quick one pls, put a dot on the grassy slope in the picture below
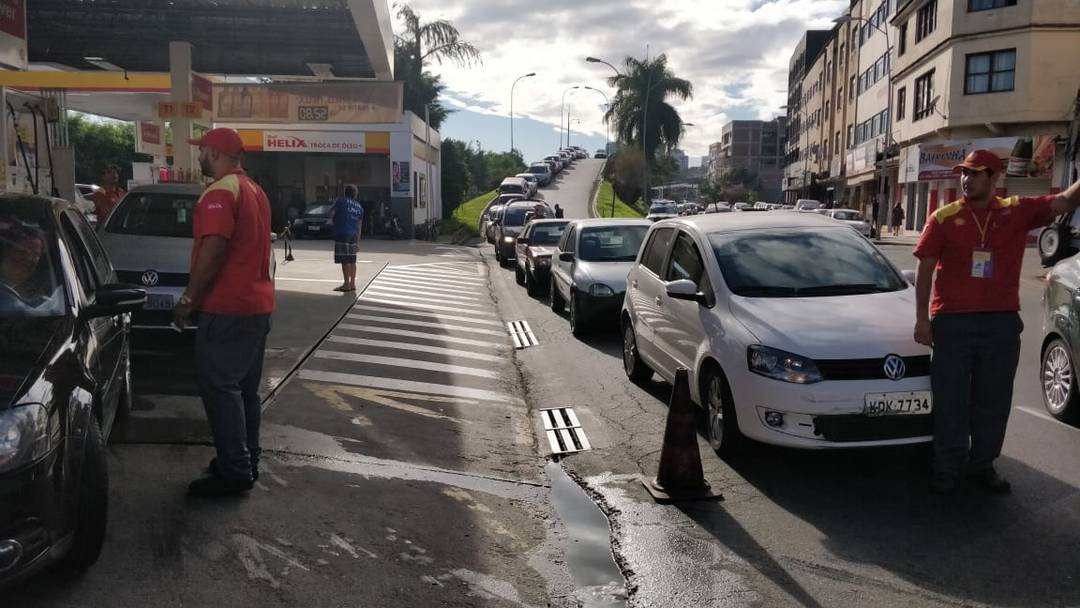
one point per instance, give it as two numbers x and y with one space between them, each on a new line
603 202
467 215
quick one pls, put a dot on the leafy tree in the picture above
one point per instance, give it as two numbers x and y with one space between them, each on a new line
455 174
422 42
501 165
100 143
478 171
625 171
647 84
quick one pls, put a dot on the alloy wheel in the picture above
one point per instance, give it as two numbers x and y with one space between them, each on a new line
715 400
629 350
1057 378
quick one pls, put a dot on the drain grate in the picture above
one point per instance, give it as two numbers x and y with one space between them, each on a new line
564 432
522 334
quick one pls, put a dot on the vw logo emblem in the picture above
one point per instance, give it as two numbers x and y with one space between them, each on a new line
150 278
895 368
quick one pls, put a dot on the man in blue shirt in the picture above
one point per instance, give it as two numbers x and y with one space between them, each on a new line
347 218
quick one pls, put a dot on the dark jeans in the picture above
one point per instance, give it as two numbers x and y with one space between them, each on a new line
228 360
974 364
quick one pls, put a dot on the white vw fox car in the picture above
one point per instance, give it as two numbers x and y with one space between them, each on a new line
795 329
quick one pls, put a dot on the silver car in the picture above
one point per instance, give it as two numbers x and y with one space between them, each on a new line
589 268
850 217
149 237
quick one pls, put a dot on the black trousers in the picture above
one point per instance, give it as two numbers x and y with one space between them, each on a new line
228 361
972 372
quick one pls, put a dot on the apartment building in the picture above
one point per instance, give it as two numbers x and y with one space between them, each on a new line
682 159
994 74
797 177
756 146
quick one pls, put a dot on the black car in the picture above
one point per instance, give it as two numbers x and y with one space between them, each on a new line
533 254
315 222
65 376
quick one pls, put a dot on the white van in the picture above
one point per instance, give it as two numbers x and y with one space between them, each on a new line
807 204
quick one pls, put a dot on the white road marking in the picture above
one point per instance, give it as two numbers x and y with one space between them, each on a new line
432 324
460 370
407 385
469 268
383 286
281 278
421 285
422 305
419 334
423 314
416 348
374 291
442 275
435 282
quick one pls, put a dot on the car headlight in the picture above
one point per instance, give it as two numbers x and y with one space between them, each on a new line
24 435
781 365
508 239
600 290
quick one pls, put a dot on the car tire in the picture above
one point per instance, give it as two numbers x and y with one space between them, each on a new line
92 508
721 423
1053 244
578 316
519 274
531 287
558 304
636 370
498 256
1061 396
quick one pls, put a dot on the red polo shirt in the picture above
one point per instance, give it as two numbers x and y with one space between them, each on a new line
105 200
236 208
951 237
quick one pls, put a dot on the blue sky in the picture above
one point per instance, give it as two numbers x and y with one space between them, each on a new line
735 52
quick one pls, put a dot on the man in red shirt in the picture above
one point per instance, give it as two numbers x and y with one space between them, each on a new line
109 195
976 247
231 288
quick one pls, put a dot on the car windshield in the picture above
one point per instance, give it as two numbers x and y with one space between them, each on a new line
538 169
515 216
802 263
546 234
154 214
319 210
663 209
848 216
611 243
30 284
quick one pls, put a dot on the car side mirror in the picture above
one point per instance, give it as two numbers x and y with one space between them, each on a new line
523 240
115 299
566 256
685 289
909 275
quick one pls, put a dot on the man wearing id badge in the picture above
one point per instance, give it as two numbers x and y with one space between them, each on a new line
975 246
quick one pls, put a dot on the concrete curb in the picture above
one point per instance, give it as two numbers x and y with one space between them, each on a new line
594 210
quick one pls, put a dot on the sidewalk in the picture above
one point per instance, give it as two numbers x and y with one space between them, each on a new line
908 238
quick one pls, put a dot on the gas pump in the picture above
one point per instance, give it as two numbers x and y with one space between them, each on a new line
29 164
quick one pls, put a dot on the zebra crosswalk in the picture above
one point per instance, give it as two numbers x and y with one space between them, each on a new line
428 331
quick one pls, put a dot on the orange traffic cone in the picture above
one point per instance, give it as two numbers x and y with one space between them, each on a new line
680 476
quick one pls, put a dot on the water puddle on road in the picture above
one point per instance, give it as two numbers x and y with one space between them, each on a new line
597 577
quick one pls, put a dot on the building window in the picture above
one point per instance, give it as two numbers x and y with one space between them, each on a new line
924 95
901 103
926 20
903 38
990 72
850 135
985 5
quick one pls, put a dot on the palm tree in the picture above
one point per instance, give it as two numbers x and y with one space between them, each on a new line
422 42
646 85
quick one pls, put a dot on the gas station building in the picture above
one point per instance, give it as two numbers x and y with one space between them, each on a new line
309 88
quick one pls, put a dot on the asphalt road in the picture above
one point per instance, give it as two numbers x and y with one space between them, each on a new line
572 188
851 528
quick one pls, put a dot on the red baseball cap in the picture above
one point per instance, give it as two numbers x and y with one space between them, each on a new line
226 141
981 160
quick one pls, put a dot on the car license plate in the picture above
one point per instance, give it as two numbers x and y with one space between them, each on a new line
899 404
314 228
158 301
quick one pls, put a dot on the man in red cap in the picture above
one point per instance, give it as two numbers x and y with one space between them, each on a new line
231 288
976 247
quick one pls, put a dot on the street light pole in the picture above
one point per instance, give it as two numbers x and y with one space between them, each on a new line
529 75
562 111
607 127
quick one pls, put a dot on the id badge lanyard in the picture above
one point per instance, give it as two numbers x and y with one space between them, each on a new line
982 258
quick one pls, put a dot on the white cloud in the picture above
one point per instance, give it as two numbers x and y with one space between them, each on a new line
735 52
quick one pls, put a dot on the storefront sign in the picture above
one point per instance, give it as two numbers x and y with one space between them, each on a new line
314 141
1031 156
13 33
202 91
191 109
149 138
167 109
863 157
352 103
400 179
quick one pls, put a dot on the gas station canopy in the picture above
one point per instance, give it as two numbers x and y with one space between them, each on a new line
323 38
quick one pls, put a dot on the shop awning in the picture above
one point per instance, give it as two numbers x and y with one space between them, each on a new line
327 38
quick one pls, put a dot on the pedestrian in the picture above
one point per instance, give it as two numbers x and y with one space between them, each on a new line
897 219
110 193
231 288
975 246
348 218
558 211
